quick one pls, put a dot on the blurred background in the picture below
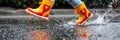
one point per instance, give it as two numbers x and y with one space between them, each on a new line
22 4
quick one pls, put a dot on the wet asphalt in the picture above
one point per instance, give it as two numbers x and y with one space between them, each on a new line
22 28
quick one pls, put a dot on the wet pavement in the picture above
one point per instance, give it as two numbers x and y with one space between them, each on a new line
24 32
25 28
59 32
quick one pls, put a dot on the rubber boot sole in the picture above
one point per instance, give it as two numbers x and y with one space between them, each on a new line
32 14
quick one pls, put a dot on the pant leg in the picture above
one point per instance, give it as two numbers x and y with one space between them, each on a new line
74 3
53 0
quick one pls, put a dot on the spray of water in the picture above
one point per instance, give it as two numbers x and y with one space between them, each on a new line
99 18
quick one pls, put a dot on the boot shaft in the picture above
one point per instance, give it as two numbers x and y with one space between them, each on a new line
82 9
46 4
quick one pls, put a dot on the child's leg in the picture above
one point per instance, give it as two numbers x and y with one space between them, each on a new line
74 3
43 10
81 10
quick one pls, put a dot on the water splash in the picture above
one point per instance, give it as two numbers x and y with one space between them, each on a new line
99 18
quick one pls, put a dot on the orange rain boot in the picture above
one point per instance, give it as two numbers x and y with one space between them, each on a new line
84 14
43 10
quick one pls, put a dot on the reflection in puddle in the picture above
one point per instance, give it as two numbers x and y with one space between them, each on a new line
42 34
82 33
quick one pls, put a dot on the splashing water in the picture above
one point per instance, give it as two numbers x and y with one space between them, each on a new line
99 18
